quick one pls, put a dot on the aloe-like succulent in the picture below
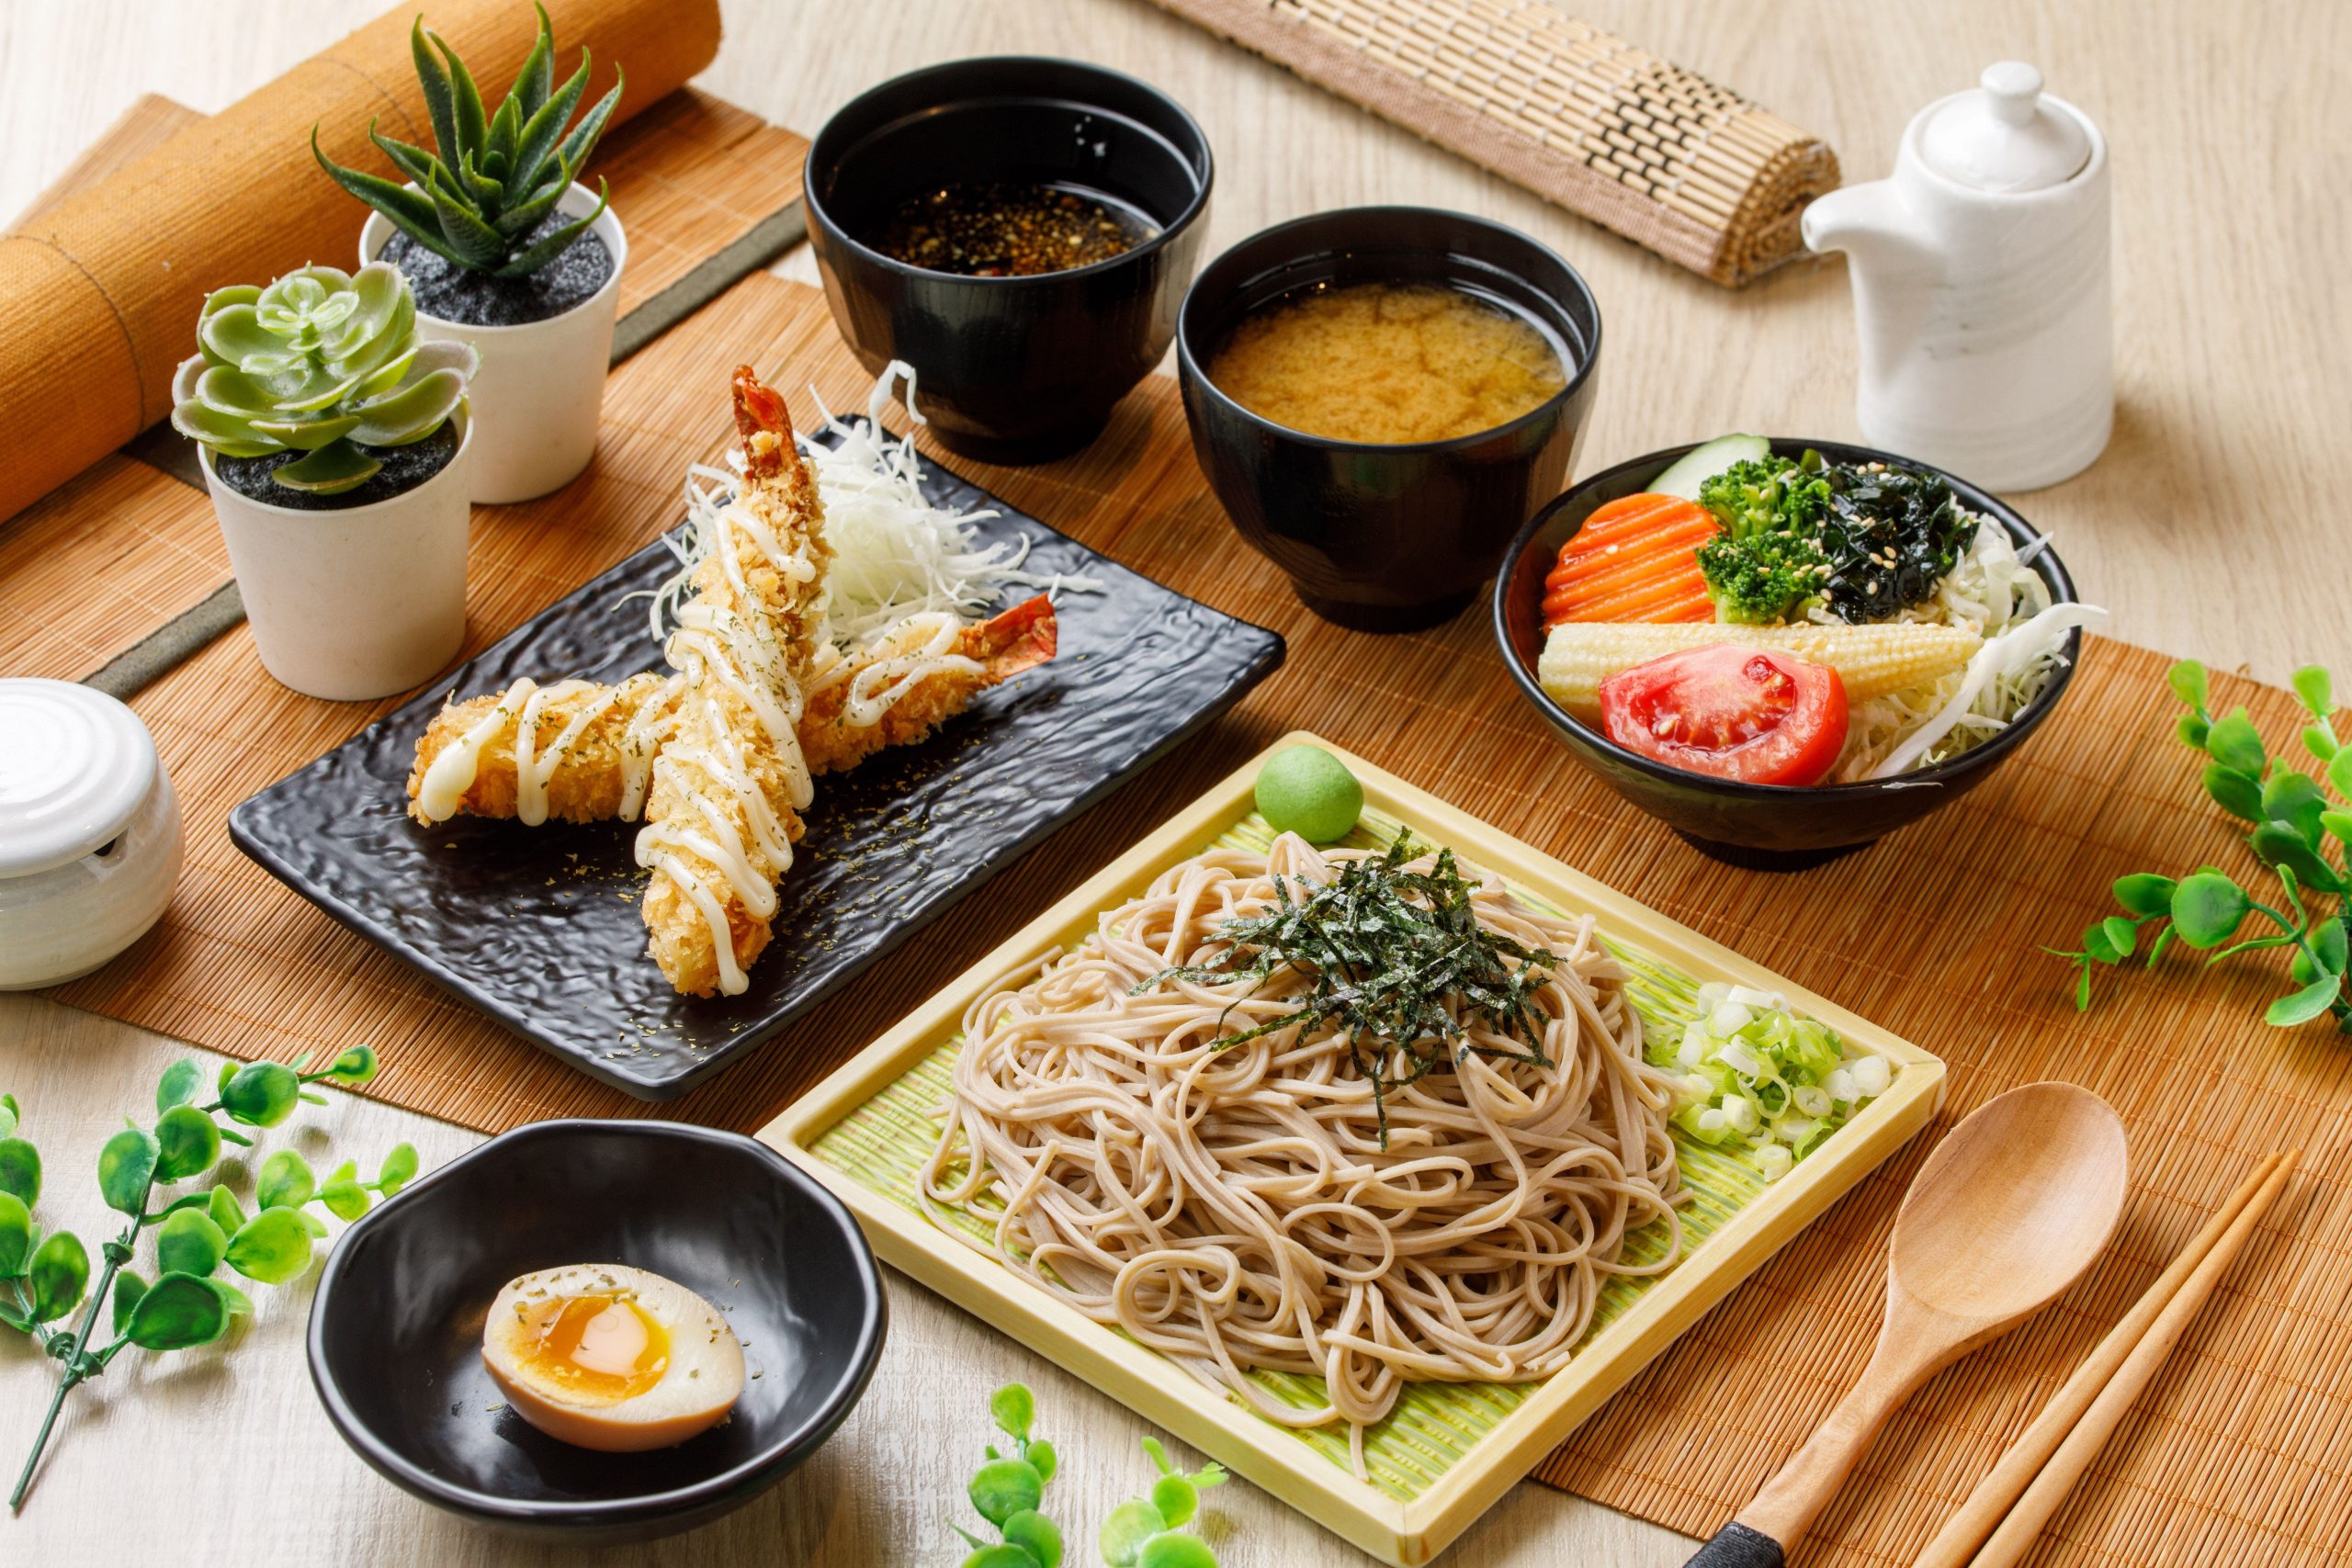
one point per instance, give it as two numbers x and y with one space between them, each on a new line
498 176
323 362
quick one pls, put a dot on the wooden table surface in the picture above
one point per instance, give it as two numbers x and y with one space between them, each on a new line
2205 529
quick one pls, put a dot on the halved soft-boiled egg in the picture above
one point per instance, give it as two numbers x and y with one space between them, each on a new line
607 1357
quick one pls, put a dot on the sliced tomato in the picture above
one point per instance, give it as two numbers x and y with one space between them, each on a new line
1751 714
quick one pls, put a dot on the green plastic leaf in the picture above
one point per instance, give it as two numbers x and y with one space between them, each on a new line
8 1116
2320 740
2317 692
1002 1487
284 1182
20 1170
1175 1550
2193 731
440 104
2339 772
2235 793
262 1094
128 1286
311 1223
2275 845
1037 1535
543 128
188 1142
189 1243
127 1170
225 1209
178 1311
1176 1498
574 150
2206 908
178 1084
531 82
239 1303
472 125
2156 948
229 1071
2302 1007
399 1169
2145 893
1013 1408
16 1235
1123 1533
2121 934
2236 744
2187 679
345 1200
354 1066
2295 799
58 1274
1042 1459
273 1246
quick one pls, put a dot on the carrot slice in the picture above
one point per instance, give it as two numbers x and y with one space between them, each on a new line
1633 559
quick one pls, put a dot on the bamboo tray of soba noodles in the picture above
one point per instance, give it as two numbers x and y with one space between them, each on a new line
1482 1253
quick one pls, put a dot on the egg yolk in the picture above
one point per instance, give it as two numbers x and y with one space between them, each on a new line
595 1349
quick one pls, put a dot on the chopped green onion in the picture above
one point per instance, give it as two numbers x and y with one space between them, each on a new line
1758 1080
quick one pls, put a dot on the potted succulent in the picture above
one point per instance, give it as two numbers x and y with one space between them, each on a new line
336 445
509 251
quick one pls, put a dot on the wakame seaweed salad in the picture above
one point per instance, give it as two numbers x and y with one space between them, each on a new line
1867 542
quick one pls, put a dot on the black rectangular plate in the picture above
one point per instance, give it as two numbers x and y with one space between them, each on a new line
538 927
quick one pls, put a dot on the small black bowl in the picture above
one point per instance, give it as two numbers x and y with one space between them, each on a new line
395 1338
1386 537
1761 826
1010 369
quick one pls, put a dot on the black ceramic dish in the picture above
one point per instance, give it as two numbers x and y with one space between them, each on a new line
538 927
1011 370
1386 537
395 1338
1762 827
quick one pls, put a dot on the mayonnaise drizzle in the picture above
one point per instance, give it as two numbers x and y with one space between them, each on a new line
446 780
879 684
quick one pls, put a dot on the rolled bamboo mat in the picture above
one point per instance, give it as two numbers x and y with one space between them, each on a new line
2240 1452
1659 154
101 291
120 549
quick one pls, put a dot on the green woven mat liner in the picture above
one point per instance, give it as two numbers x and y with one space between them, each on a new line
884 1143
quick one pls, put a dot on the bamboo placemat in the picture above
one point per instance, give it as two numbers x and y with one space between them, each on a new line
2241 1451
1660 154
110 555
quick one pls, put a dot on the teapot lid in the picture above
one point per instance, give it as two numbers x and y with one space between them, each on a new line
74 767
2003 138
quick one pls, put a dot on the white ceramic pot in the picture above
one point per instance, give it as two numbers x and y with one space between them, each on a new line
540 386
89 831
359 603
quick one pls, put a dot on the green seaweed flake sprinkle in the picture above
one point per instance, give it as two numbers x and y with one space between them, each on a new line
1393 958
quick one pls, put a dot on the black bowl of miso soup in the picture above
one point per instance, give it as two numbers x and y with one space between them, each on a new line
1017 229
1381 395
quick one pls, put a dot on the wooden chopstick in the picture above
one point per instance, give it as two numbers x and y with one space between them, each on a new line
2004 1515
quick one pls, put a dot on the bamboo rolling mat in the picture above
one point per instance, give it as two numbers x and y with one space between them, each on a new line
115 553
2241 1451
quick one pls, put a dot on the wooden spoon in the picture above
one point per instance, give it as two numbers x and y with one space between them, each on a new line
2013 1206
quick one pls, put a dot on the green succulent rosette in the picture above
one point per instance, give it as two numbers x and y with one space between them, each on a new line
322 362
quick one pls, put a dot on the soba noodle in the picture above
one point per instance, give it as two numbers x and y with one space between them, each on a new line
1233 1207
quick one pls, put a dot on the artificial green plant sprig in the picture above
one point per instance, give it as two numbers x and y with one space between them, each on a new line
497 176
2299 834
43 1278
1148 1531
1008 1489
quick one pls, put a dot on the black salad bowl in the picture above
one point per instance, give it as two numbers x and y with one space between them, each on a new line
395 1337
1009 369
1386 537
1761 826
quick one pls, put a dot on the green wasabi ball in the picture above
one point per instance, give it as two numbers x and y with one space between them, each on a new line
1307 791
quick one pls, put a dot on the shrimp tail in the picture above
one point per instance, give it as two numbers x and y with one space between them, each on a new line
764 422
1022 639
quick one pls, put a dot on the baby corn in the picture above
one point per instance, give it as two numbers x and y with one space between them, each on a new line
1872 660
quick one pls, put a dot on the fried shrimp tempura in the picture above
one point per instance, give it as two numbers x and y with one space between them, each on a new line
921 672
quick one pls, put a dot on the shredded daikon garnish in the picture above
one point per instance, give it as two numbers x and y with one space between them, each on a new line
895 554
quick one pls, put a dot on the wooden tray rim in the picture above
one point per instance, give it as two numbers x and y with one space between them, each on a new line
1405 1532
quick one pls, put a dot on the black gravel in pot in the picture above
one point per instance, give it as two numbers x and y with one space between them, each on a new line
405 468
453 293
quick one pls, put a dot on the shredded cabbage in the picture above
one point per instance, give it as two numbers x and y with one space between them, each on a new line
895 554
1994 590
1757 1079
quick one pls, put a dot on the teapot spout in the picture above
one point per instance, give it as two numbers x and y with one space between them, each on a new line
1876 228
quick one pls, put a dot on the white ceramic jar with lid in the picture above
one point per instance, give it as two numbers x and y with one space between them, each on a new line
1981 285
89 831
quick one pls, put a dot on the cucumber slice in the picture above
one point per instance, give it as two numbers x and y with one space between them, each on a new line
1706 460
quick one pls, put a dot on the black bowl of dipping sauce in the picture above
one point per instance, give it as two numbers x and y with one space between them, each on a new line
1375 537
1759 826
396 1328
1010 369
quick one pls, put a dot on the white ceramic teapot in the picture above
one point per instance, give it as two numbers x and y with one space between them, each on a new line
1981 287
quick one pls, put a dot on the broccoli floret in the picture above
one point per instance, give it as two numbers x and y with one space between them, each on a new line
1768 495
1762 579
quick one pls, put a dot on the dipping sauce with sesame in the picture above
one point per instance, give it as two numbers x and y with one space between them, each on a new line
1388 363
1009 230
